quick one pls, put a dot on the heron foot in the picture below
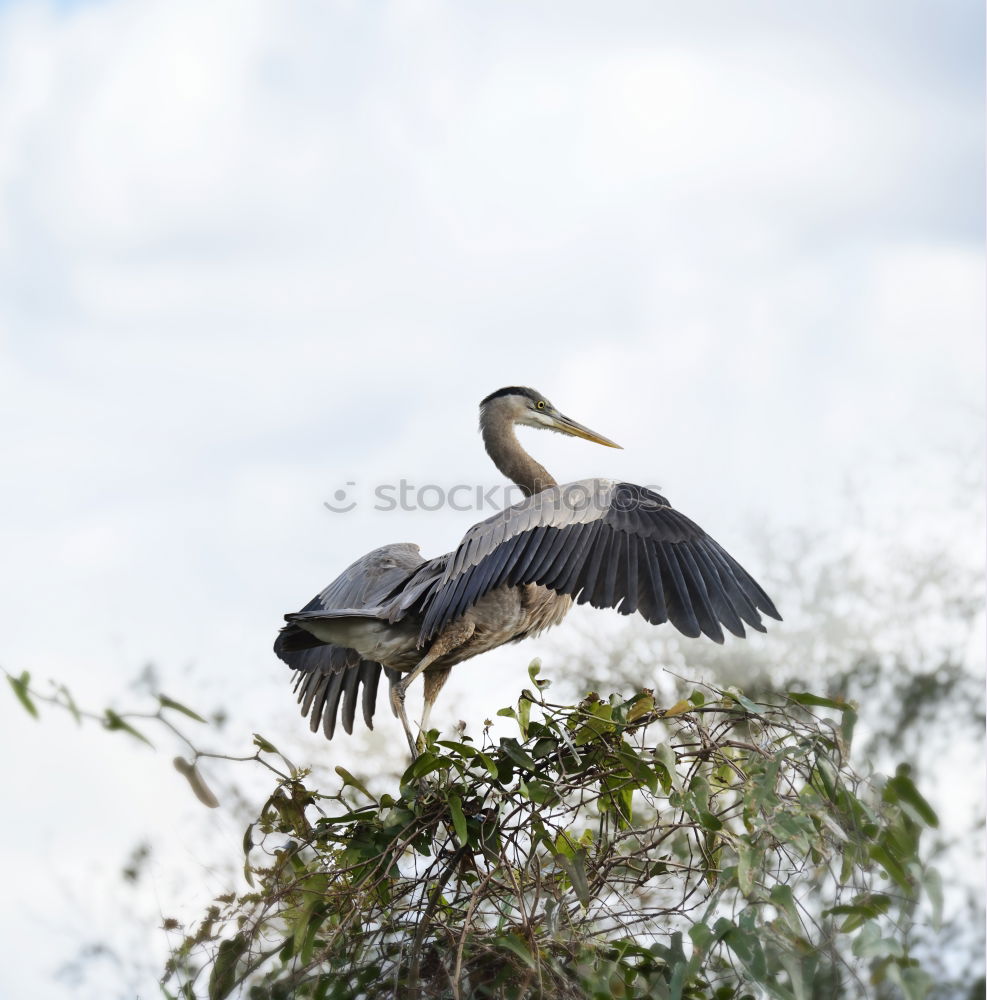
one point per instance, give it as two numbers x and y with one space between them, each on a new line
398 693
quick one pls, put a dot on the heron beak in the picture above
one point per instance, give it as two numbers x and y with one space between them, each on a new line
567 426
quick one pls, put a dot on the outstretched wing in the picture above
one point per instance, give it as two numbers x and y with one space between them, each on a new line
331 678
608 544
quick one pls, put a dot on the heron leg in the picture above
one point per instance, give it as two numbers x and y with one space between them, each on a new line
448 639
397 705
434 680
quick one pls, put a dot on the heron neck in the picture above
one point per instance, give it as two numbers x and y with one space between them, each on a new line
504 448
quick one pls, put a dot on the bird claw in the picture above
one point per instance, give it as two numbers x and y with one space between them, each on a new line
398 695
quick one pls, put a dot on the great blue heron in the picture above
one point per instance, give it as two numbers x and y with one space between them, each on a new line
605 543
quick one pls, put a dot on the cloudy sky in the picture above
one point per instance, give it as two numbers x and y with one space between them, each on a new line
255 253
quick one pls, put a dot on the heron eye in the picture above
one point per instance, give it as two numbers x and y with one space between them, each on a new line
541 404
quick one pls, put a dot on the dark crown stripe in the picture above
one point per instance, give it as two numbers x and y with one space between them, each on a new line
512 390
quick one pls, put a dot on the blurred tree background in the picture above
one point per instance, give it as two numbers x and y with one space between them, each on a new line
895 626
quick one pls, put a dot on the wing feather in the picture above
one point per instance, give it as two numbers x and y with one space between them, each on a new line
749 585
738 598
351 692
370 673
313 682
630 587
631 551
579 538
319 701
591 571
554 554
699 593
490 573
606 587
650 585
331 706
719 593
460 595
677 600
530 559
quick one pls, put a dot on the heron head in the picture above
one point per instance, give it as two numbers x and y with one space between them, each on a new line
522 405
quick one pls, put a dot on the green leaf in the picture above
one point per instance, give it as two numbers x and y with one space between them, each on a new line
199 787
524 714
666 767
463 749
679 708
795 968
423 764
932 882
167 702
70 704
804 698
701 935
784 899
697 698
349 779
834 828
869 943
575 868
699 787
20 686
488 764
113 721
565 845
640 706
318 915
534 669
883 856
846 729
513 749
268 747
913 982
223 978
265 745
617 794
313 890
745 868
901 787
248 843
865 907
743 701
513 943
644 774
458 819
538 792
